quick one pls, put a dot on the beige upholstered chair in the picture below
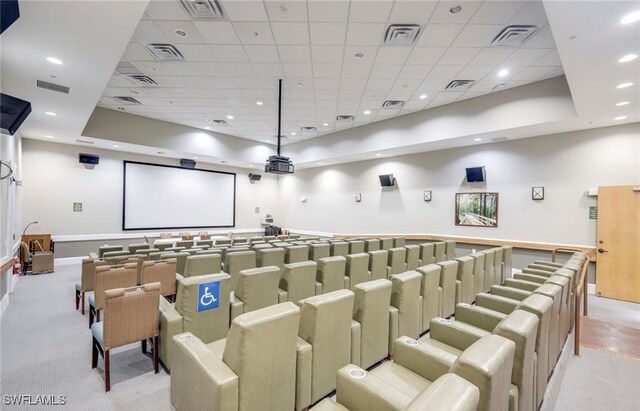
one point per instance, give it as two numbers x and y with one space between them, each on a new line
163 246
339 248
405 310
209 322
413 257
371 311
223 241
87 279
357 269
440 251
236 262
498 268
253 369
450 249
371 244
108 248
318 251
426 253
131 315
162 272
188 243
201 264
489 269
386 243
378 261
204 242
270 256
399 242
478 273
299 280
133 248
464 280
430 293
181 259
448 276
256 288
397 260
356 246
331 273
296 254
107 278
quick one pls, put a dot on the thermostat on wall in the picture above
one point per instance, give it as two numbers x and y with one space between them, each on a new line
593 191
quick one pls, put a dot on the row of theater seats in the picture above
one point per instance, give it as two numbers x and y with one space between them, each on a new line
506 346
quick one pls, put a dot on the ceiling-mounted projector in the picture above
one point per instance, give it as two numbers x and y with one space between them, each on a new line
278 164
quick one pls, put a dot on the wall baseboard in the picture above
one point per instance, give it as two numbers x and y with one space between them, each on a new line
4 303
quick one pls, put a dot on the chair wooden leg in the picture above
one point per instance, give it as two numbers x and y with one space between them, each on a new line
90 316
107 372
77 300
98 316
144 346
82 303
155 354
94 353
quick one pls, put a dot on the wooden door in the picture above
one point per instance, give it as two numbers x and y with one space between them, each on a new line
618 243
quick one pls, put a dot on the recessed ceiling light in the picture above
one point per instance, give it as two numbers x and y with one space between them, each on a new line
259 103
293 133
378 154
50 113
622 103
181 33
628 58
620 118
367 112
455 10
326 124
631 17
54 60
503 73
208 128
477 139
320 163
230 117
251 165
223 162
195 158
423 96
359 55
49 136
115 146
624 85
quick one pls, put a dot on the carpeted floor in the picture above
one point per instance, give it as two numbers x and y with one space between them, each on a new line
45 349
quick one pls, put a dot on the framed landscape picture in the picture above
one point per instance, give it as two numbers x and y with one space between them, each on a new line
477 209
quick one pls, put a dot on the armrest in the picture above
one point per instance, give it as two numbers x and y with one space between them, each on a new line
170 325
366 392
497 303
389 272
393 327
508 292
355 342
199 379
455 334
535 271
347 282
179 277
318 288
303 374
282 296
237 306
458 291
549 263
448 392
478 316
328 405
426 360
521 284
544 267
530 277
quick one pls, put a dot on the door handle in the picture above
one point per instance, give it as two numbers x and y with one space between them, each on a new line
602 250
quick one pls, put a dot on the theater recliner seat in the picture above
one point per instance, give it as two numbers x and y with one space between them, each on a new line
331 274
430 293
240 372
356 246
386 243
201 264
413 257
299 280
371 312
489 269
371 244
236 262
440 251
405 311
378 264
450 249
357 269
296 254
498 266
478 273
318 251
270 256
397 260
340 248
398 242
426 254
464 280
256 288
448 276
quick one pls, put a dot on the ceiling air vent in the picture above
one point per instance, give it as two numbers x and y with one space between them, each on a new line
203 9
344 118
125 100
308 129
84 141
393 104
53 87
401 34
460 85
141 80
219 122
512 36
165 52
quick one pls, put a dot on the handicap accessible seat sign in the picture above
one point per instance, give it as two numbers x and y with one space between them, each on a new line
208 296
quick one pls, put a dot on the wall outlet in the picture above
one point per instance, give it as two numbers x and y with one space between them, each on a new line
257 210
77 207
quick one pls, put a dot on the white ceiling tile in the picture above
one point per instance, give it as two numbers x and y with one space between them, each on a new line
472 94
532 13
137 52
262 53
477 35
412 12
497 12
297 70
350 94
491 56
294 54
365 34
379 84
326 83
552 58
197 53
442 14
148 32
166 10
418 71
370 11
485 85
444 72
356 70
392 55
328 33
327 54
327 94
290 33
239 69
474 72
253 32
524 57
289 11
439 35
386 71
245 10
209 69
426 55
217 32
399 95
229 53
353 84
557 71
326 70
458 56
348 104
324 10
446 97
542 39
405 84
430 85
532 73
247 82
169 28
369 54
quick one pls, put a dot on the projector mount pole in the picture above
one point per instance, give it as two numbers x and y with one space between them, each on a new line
279 111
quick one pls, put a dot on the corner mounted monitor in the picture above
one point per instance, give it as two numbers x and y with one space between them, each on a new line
476 174
387 180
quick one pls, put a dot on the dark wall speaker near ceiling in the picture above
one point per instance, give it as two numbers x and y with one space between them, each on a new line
187 163
13 112
9 13
254 177
476 174
89 158
387 180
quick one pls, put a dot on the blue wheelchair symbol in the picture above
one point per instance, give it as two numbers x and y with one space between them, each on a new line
208 296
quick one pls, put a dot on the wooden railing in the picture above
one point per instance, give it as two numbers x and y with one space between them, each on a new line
578 292
6 265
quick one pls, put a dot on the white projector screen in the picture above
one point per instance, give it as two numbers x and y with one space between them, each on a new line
168 197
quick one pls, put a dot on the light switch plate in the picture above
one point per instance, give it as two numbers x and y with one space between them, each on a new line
427 195
358 197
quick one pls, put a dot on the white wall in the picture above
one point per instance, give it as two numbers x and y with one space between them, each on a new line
54 180
565 164
10 149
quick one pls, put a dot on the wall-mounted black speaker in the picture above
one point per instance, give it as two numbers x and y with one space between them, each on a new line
187 163
476 174
13 112
89 158
9 13
387 180
254 177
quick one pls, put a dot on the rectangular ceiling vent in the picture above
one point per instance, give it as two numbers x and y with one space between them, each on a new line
219 122
165 52
344 118
458 85
84 141
142 80
308 129
203 9
53 87
401 34
125 100
393 104
512 36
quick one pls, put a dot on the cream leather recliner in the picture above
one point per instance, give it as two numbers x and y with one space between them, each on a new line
339 248
450 249
296 254
331 274
256 288
357 269
318 251
413 257
448 275
464 280
237 261
378 264
371 312
201 264
371 244
386 243
270 256
426 254
430 293
440 251
399 242
405 311
299 280
478 273
489 269
356 246
397 260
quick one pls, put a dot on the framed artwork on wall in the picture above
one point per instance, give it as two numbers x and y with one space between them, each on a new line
477 209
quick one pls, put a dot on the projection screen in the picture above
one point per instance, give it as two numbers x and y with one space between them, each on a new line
169 197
